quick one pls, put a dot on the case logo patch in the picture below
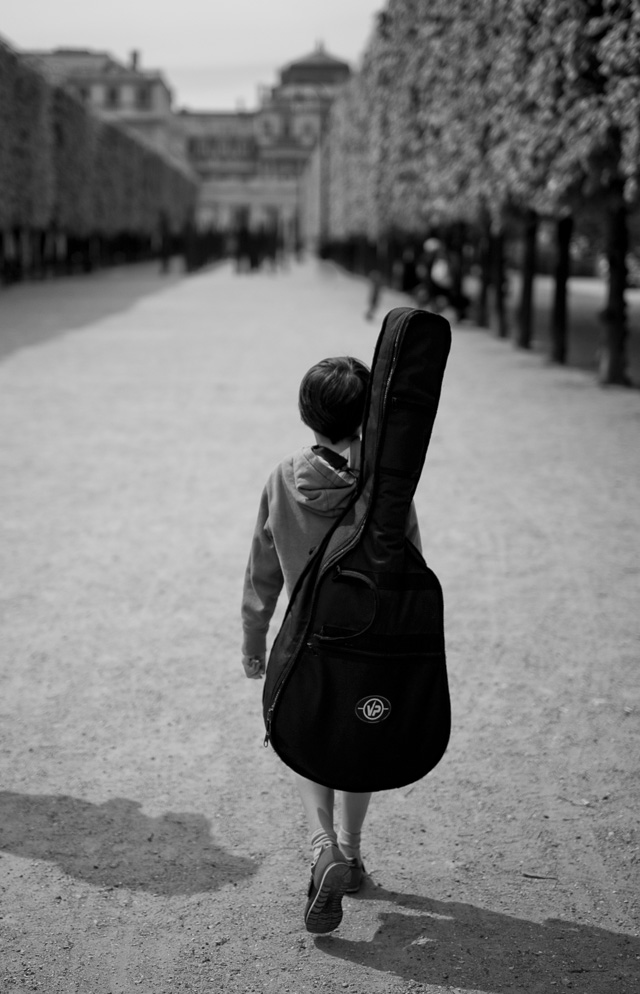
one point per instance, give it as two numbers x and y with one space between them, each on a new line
373 709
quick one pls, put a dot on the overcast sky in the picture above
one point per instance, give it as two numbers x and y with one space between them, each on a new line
214 54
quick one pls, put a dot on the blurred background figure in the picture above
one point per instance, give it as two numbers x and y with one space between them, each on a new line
165 242
375 293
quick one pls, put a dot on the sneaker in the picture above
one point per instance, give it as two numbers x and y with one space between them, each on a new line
330 876
356 875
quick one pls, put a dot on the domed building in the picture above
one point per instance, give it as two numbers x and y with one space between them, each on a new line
251 162
317 71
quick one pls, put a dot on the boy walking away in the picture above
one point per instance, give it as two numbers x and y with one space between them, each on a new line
302 498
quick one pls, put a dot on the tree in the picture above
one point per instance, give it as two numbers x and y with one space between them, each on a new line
576 120
478 112
64 171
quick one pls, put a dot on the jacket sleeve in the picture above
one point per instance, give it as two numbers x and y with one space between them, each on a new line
263 582
413 529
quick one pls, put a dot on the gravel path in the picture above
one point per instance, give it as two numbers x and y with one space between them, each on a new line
148 843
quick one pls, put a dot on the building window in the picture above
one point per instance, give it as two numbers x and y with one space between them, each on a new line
143 97
113 97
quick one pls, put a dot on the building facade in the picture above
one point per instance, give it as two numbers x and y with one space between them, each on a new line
137 98
250 163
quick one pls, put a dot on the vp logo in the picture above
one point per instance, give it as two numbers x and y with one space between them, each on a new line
373 709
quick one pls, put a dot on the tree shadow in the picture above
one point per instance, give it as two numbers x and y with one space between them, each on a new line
32 313
469 948
115 845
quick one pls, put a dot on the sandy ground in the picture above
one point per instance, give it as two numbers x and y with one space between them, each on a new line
148 842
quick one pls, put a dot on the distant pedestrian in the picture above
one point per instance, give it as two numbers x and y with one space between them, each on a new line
375 293
409 277
166 246
242 248
190 245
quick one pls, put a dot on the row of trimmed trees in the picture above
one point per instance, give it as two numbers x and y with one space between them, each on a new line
468 118
75 189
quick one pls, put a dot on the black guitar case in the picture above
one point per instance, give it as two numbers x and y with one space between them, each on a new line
356 694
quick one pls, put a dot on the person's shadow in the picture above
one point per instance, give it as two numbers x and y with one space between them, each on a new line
115 845
474 949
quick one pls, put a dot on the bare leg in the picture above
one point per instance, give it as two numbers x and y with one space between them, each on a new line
317 802
354 810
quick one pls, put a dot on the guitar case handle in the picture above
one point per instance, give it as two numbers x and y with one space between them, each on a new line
353 576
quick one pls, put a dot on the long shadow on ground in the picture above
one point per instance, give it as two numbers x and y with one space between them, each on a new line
473 949
32 313
115 844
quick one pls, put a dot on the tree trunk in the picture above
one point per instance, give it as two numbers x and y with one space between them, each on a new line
564 232
18 243
612 366
363 252
382 257
482 301
525 314
499 322
39 254
456 266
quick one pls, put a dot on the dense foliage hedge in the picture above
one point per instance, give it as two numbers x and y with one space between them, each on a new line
479 111
461 107
61 167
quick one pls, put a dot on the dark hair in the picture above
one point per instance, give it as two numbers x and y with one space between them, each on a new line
332 397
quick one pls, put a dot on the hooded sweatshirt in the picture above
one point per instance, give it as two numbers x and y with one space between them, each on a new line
302 498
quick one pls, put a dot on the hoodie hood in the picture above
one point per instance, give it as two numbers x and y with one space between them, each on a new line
318 485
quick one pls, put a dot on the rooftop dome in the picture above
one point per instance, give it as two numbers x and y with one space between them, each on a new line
317 67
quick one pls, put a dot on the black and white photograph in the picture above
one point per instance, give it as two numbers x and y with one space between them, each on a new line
320 497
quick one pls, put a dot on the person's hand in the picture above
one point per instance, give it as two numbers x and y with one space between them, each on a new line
254 666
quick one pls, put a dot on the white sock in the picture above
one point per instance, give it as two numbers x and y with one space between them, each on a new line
320 840
349 843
